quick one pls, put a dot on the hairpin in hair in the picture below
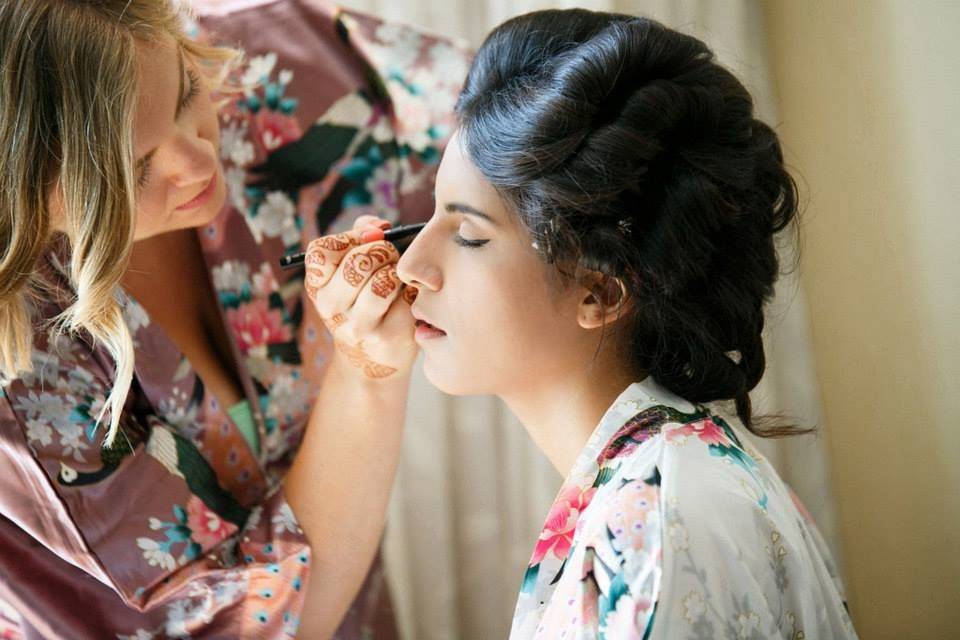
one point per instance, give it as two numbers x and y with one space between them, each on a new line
547 235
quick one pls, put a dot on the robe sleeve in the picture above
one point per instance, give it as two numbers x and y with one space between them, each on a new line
93 542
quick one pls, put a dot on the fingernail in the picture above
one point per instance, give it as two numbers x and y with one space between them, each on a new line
371 236
384 224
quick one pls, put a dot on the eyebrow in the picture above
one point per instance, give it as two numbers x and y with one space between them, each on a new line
459 207
176 112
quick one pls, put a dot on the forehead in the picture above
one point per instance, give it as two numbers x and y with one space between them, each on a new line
459 180
158 71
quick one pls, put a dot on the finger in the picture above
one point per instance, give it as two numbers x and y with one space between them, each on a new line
324 255
398 319
340 291
373 301
409 294
371 221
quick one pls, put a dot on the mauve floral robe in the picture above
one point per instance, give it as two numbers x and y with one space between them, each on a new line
182 530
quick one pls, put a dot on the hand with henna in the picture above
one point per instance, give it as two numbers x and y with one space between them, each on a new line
352 281
360 407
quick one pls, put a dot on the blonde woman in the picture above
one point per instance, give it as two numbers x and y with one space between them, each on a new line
195 443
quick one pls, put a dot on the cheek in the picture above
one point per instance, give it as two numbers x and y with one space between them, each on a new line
506 329
209 123
150 214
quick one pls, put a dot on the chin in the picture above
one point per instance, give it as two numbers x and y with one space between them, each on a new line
455 382
446 381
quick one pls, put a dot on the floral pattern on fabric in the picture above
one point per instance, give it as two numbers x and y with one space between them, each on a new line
181 529
670 525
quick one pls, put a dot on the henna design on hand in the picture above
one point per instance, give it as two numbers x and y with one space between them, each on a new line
312 283
335 322
339 242
359 359
314 258
409 294
358 265
384 282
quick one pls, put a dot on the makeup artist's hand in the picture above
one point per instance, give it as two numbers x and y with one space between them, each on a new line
352 280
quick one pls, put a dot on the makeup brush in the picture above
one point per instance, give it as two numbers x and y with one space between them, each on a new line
391 235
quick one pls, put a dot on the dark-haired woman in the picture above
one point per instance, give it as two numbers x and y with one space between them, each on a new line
600 255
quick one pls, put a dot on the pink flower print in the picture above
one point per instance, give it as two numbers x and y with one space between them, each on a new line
557 534
256 325
707 430
206 527
272 129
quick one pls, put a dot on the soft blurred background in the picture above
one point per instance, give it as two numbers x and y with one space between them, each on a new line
863 340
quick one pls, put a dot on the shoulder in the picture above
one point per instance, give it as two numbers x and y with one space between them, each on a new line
717 489
667 479
709 459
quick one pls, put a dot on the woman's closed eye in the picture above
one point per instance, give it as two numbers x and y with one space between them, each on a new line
144 176
468 242
192 90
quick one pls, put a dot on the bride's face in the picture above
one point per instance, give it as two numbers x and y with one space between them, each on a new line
501 325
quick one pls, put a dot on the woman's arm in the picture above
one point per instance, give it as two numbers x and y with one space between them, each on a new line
339 483
349 453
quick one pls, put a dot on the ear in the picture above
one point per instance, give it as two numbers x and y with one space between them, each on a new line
603 301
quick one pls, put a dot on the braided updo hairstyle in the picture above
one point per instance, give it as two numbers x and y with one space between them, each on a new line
626 149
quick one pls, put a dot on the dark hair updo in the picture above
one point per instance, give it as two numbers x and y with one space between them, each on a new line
626 149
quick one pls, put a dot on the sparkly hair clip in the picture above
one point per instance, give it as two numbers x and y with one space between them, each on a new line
624 226
551 231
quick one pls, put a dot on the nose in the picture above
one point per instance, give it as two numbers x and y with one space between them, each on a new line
195 159
417 266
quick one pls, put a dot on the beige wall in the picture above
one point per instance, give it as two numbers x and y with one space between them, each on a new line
869 101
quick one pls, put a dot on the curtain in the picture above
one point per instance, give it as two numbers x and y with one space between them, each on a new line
472 491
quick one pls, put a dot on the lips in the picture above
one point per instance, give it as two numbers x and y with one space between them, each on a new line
201 197
421 323
425 327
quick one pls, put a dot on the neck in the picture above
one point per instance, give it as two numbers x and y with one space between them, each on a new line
168 256
560 414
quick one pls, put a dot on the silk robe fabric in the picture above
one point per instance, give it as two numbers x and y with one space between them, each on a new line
670 525
181 529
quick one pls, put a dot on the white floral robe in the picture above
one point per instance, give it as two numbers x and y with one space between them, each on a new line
670 525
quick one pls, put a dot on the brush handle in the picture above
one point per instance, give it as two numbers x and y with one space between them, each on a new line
391 235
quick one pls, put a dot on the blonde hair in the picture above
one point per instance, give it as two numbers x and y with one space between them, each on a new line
68 96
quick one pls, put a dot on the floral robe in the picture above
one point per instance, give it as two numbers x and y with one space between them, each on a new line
181 529
670 525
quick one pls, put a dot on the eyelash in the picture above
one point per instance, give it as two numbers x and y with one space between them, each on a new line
472 244
184 103
192 91
144 172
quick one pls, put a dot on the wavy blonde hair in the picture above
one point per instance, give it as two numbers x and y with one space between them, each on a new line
68 96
